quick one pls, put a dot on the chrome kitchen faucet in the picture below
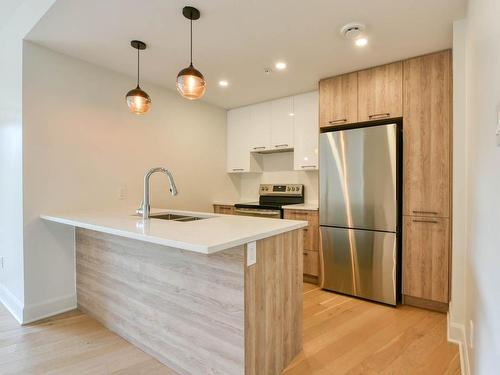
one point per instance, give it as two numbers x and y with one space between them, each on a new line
145 208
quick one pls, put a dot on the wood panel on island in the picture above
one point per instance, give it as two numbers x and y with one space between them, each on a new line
197 313
418 90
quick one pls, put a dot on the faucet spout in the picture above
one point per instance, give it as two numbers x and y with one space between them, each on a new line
145 208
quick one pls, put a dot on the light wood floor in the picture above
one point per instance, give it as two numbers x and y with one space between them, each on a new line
342 335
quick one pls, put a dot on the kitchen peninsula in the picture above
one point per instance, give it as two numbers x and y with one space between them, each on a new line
203 293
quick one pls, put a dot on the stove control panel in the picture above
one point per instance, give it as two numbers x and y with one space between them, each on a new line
283 190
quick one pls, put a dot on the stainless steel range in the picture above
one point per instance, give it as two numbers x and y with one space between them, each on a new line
271 200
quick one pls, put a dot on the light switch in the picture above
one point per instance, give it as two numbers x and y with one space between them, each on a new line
251 253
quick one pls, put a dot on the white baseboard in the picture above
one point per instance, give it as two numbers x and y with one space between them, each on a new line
48 308
11 303
456 334
32 313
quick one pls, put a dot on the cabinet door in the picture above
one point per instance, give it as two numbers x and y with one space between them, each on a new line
380 92
282 123
305 153
238 154
311 232
223 209
426 129
259 131
338 100
426 258
311 263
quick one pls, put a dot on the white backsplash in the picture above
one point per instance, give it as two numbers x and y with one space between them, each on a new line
278 169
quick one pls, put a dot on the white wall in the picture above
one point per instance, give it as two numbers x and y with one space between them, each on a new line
482 254
278 169
18 18
456 318
81 146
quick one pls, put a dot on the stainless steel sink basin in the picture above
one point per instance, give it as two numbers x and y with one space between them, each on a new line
175 217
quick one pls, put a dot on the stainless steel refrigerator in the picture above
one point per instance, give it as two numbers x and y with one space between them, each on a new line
359 214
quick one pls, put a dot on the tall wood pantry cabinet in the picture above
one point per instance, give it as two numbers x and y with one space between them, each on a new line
427 113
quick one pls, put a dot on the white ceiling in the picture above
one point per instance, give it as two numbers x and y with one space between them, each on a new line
237 39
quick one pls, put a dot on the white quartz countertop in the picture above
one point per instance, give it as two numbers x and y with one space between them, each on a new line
215 233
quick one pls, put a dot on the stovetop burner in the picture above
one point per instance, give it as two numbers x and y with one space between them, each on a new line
274 197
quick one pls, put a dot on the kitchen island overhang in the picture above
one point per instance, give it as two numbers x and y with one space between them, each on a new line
197 312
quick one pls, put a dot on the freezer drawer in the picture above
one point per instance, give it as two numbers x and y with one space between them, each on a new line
360 263
358 178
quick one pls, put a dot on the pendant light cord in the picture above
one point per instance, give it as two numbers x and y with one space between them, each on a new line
191 39
138 64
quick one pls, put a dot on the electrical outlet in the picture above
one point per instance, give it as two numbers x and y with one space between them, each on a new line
498 126
122 193
471 334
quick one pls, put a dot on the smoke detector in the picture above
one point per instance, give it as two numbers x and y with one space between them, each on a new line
352 30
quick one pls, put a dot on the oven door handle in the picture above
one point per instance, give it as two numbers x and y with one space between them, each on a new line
250 211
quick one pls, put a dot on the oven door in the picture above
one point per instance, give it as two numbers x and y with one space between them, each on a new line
257 212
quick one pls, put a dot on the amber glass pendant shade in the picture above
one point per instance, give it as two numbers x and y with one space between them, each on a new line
190 82
138 101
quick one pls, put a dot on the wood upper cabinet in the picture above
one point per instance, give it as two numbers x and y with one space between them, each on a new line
426 258
338 102
380 92
427 129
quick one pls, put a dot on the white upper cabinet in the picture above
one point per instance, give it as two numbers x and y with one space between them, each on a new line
238 155
306 131
282 113
284 124
259 131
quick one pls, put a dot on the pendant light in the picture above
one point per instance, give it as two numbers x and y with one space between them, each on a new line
190 81
138 100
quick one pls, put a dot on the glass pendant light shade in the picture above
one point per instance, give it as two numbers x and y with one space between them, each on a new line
191 83
138 101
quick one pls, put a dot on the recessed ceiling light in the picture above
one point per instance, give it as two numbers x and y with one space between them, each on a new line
291 114
280 65
223 83
361 42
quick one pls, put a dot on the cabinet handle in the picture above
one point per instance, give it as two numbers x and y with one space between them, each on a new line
305 253
425 221
283 145
260 148
238 169
337 121
307 166
379 115
425 212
